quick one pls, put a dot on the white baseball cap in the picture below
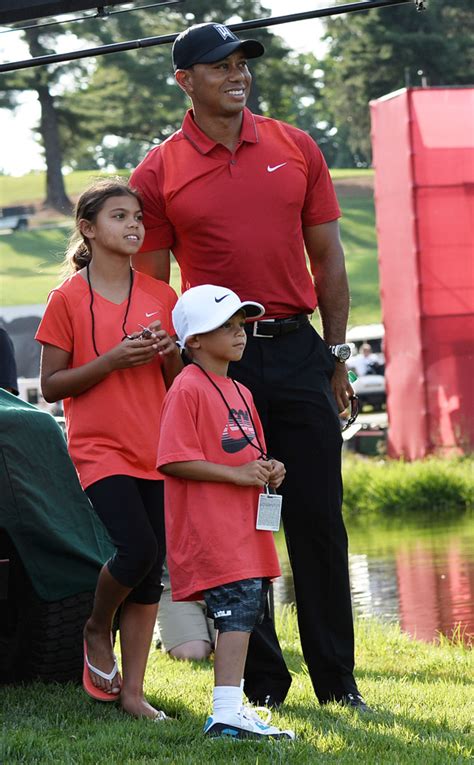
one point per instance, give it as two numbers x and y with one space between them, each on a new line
207 307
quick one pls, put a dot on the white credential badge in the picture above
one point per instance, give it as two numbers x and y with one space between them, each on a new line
269 511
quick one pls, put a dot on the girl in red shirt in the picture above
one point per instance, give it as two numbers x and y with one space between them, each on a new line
107 352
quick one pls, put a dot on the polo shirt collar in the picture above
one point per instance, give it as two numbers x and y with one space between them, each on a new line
204 144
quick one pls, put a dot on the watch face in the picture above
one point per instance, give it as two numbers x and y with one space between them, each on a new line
343 352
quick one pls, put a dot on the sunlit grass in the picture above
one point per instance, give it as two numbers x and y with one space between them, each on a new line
30 188
421 694
31 264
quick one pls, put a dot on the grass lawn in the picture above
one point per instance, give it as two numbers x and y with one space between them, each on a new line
421 694
30 261
360 245
30 188
31 264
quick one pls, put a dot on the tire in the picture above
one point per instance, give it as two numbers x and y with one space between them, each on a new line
39 639
22 225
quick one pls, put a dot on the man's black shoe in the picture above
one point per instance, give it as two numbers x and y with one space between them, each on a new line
356 701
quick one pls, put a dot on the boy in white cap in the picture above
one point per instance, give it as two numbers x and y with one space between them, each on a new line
212 453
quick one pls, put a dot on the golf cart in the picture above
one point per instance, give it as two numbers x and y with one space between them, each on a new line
52 546
370 383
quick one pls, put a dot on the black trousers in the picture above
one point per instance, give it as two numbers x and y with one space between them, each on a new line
289 377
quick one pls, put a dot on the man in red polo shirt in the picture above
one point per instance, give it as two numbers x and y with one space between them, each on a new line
238 198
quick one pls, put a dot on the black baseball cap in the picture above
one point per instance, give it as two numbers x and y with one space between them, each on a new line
207 43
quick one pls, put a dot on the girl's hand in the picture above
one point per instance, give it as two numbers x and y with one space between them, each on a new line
164 342
277 474
132 352
256 473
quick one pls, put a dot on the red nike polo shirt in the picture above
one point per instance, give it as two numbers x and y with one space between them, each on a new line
236 219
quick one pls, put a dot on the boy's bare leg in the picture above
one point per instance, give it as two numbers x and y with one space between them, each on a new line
137 621
109 594
229 659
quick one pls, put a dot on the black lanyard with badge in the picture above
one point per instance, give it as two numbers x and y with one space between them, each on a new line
269 502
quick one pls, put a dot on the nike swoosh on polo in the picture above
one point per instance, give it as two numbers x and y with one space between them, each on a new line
151 314
219 300
271 169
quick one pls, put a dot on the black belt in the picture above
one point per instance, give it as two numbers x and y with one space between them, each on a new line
277 327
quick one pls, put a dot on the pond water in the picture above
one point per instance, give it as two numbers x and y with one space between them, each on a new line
419 575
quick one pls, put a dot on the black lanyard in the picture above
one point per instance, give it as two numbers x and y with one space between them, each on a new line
259 448
91 309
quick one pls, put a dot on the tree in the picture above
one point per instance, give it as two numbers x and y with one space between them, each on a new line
111 109
374 53
42 80
132 98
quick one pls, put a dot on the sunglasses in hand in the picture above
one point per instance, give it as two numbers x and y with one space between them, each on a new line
346 422
145 334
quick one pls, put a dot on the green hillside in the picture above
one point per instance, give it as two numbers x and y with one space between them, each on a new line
31 261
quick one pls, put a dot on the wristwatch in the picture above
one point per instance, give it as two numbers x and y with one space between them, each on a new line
342 352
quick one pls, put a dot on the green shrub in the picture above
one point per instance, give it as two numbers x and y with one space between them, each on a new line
433 486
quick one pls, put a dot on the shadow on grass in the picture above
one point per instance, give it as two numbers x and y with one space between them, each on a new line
44 246
382 735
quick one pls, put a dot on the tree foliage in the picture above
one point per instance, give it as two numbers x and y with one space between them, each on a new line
133 97
108 111
43 81
377 52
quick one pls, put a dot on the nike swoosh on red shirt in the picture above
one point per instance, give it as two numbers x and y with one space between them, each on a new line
271 169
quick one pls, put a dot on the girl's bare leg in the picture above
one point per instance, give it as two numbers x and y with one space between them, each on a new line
137 621
109 594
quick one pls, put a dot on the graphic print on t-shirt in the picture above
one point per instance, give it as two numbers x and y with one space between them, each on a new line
233 440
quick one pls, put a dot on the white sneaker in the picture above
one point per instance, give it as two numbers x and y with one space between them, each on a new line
244 724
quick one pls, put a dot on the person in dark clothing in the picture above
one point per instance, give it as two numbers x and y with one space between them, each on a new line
8 374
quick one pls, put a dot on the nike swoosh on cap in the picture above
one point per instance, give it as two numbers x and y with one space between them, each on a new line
151 314
271 169
218 300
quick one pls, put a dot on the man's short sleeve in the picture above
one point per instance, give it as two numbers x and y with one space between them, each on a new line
321 205
56 327
148 180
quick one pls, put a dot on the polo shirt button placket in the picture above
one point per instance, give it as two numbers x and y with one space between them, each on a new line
233 168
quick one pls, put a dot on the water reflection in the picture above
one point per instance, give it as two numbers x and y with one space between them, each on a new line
419 576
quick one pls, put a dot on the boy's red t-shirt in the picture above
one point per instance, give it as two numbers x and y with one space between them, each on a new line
211 537
112 428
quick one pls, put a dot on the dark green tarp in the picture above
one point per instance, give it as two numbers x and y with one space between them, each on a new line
47 516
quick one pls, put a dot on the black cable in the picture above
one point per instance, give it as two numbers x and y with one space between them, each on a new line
98 15
91 308
260 448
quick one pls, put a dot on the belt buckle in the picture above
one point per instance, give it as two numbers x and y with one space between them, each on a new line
257 334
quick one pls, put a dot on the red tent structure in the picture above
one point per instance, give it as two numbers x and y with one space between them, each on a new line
423 148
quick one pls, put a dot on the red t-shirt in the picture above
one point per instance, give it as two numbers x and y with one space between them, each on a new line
237 219
113 427
211 537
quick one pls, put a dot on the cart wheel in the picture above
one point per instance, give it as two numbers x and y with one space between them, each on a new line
39 639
